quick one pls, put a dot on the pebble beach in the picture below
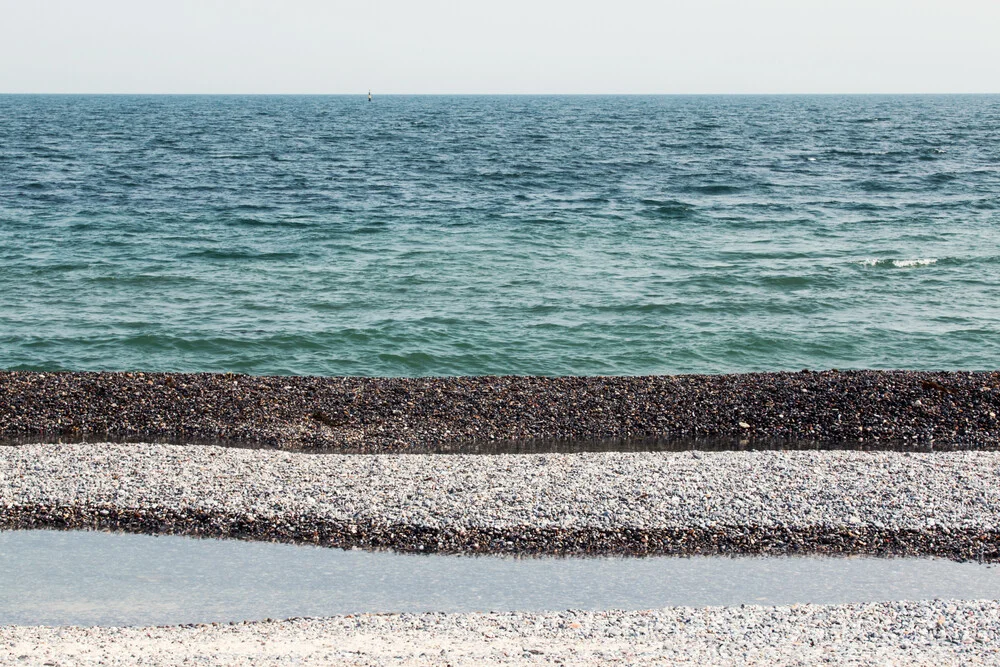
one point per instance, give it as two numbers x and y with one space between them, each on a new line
900 633
891 493
840 502
953 410
421 343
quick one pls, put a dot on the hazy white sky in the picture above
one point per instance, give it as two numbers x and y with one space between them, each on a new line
513 46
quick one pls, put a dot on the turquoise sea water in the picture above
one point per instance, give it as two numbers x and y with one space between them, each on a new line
482 235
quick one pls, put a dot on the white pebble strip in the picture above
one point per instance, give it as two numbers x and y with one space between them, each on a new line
899 633
886 490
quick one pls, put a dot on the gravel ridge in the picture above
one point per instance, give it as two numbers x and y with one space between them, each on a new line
940 503
944 503
908 408
889 633
884 503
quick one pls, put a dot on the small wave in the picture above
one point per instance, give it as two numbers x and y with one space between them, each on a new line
238 254
906 263
502 175
896 263
875 186
715 189
932 154
163 142
670 209
279 223
145 279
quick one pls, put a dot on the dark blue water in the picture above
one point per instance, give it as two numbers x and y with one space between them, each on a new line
472 235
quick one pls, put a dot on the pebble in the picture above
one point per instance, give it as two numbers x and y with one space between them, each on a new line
908 409
760 502
936 632
938 494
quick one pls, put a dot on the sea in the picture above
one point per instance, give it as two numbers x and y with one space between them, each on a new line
480 235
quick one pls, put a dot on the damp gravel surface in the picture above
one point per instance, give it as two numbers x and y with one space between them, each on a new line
904 409
764 502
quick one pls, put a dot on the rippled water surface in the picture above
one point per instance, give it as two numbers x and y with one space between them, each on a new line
63 578
478 235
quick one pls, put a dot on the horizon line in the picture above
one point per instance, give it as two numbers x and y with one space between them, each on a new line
502 94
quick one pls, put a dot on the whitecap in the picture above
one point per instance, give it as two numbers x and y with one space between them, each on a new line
906 263
896 263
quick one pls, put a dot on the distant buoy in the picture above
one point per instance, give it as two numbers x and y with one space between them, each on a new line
369 96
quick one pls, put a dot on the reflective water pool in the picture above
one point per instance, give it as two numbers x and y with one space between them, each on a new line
92 578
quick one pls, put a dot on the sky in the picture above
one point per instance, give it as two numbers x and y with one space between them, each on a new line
488 46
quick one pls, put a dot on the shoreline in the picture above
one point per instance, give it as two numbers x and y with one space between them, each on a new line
975 544
908 409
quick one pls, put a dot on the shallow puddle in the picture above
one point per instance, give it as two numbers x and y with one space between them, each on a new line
92 578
